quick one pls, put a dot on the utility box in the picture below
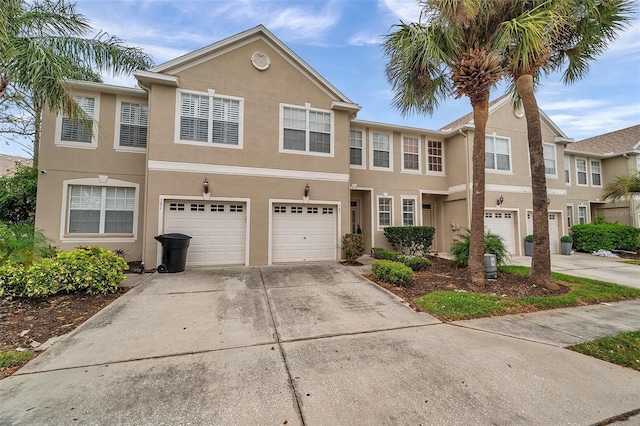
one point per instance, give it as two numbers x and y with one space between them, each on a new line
490 266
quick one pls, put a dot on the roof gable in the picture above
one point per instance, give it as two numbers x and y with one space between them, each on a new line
612 143
257 33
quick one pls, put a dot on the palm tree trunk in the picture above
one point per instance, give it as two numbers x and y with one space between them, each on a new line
480 106
541 259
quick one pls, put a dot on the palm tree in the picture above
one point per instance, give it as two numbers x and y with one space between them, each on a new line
45 42
623 186
544 37
452 53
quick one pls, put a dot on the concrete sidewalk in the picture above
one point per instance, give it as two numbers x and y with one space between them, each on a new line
312 345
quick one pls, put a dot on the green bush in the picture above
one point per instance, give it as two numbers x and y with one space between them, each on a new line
22 244
384 254
90 270
566 239
610 236
528 238
391 272
416 263
18 195
352 246
410 239
492 244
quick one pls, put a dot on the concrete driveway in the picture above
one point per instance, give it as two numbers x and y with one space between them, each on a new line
313 345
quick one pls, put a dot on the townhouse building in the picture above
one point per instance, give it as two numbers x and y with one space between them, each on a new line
247 149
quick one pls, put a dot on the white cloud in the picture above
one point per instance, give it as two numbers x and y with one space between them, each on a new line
362 39
582 124
406 10
304 23
571 104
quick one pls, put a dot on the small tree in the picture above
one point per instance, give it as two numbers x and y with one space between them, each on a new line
352 246
18 195
493 244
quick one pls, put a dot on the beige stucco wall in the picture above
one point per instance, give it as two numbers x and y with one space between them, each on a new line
102 164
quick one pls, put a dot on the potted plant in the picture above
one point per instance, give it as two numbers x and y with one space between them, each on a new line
566 243
528 245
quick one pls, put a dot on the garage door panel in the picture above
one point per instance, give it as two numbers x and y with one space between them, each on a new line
502 224
303 233
217 230
554 238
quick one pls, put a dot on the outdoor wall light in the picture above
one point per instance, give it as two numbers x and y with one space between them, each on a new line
205 186
306 190
548 200
499 201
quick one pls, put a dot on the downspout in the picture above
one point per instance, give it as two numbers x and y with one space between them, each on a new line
146 188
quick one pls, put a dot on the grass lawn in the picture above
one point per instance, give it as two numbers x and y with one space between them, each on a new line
632 262
12 358
622 349
459 305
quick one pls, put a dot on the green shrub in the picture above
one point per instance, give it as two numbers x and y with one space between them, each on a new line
410 239
605 237
384 254
392 272
416 263
566 239
352 246
528 238
23 244
90 270
599 219
18 195
492 244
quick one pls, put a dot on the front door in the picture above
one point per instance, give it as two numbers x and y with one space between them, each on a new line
355 217
427 215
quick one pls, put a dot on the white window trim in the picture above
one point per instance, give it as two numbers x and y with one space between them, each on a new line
586 171
378 197
102 181
364 150
555 160
371 166
591 173
586 215
415 208
572 217
501 172
567 162
116 133
211 93
419 154
307 107
426 157
94 131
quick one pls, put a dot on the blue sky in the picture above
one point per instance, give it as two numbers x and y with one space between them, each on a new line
341 40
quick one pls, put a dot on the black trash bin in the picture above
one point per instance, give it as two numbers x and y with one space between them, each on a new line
174 252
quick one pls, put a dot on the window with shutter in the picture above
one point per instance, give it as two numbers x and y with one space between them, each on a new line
79 130
133 125
101 210
306 130
211 119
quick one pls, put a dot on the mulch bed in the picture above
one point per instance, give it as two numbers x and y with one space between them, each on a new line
442 276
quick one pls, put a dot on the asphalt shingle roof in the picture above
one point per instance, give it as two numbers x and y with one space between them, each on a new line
610 143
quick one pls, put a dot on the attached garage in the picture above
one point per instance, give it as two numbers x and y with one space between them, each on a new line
554 239
218 230
303 233
503 224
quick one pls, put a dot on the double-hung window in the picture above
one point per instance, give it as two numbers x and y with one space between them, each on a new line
569 216
581 171
497 154
134 118
355 148
411 153
385 207
307 130
434 156
101 209
381 146
408 212
210 119
80 131
596 173
549 154
567 170
582 215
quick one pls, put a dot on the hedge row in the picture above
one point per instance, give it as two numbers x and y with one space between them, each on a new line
609 236
92 270
414 262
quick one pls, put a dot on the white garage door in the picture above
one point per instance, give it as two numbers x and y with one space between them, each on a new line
218 230
303 233
554 240
501 223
